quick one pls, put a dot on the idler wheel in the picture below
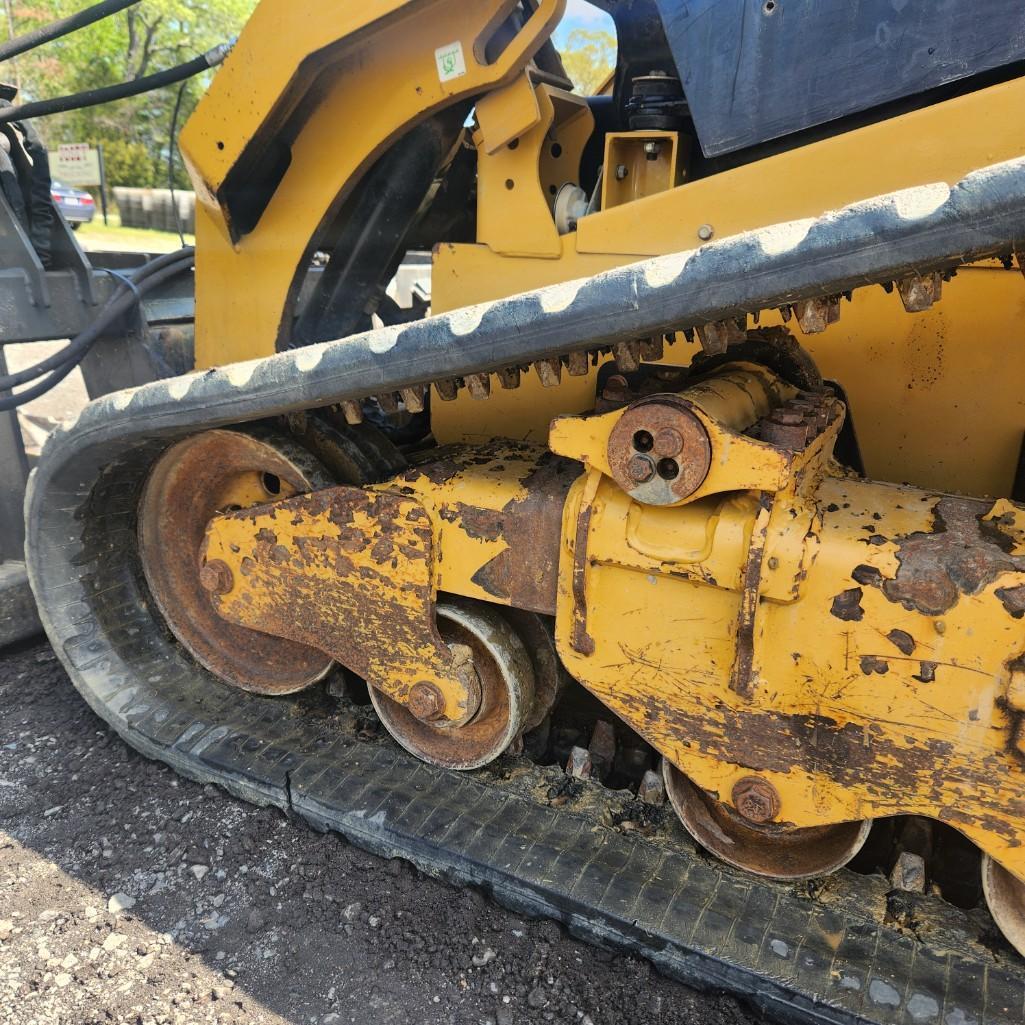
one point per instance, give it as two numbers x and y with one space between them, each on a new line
193 481
506 680
765 850
1005 897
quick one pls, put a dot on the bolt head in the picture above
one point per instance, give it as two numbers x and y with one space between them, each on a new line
426 702
756 799
621 172
216 577
668 442
705 232
641 469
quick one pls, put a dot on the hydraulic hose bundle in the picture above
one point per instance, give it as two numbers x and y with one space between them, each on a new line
51 371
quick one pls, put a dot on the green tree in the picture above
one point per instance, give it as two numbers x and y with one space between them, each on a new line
588 55
127 46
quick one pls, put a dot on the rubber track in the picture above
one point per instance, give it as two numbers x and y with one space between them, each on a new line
802 960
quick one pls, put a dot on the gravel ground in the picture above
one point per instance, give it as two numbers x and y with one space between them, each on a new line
128 894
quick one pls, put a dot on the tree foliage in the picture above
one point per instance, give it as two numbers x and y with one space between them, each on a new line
138 41
588 55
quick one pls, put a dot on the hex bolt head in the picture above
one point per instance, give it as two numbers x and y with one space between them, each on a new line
756 799
705 232
668 442
426 702
641 469
216 577
621 172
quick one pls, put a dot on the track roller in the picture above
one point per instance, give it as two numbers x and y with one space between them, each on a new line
193 481
1005 897
506 679
765 850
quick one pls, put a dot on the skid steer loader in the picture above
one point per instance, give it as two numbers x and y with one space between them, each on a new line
710 447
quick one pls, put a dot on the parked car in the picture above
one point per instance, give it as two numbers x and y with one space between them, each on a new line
77 206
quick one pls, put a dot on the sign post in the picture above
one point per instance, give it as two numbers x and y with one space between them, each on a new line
78 163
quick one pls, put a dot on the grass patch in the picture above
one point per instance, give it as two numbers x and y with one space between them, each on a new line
113 237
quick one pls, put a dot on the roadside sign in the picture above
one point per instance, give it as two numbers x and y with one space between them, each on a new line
77 163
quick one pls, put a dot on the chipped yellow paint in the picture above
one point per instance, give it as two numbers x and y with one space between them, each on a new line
458 503
348 571
883 641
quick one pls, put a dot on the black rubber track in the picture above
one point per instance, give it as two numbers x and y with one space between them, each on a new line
800 958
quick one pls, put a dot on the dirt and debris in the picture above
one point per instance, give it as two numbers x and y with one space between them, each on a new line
128 894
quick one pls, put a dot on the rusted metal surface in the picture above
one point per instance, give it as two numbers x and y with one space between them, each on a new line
764 849
351 572
509 497
526 572
504 679
815 315
796 422
962 554
919 291
550 679
659 451
716 337
741 675
194 481
1005 897
216 576
755 799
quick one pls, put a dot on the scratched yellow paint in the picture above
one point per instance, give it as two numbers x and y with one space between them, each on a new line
325 583
875 711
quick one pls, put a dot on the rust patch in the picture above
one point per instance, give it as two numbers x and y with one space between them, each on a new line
1013 600
364 597
525 573
743 662
902 641
926 672
961 555
848 754
477 523
867 576
874 664
847 605
581 640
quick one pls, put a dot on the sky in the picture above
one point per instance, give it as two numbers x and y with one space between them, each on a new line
582 15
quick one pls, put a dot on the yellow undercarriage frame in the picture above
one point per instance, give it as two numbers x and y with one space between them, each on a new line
857 646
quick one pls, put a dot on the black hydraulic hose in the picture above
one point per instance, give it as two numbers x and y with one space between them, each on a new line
63 362
72 351
121 91
61 27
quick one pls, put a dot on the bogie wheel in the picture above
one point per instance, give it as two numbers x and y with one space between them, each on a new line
193 481
772 851
1005 898
507 692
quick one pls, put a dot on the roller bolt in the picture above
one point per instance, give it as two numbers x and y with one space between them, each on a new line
426 702
621 172
756 799
641 469
216 577
668 442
